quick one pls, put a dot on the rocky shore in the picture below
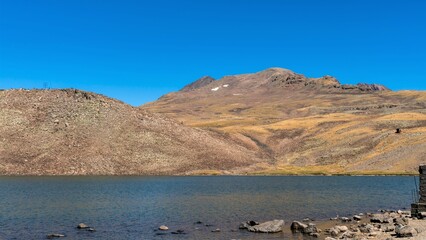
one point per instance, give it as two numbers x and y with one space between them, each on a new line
385 225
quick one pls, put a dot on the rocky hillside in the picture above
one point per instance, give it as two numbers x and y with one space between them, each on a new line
308 125
71 132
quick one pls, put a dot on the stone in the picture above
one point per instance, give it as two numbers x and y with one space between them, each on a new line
310 229
246 225
357 218
216 230
389 228
330 238
401 221
348 235
405 231
268 227
180 231
55 235
82 226
345 219
163 228
334 232
342 228
366 228
315 235
297 226
376 218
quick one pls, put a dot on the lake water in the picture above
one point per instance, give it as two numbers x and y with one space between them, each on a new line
134 207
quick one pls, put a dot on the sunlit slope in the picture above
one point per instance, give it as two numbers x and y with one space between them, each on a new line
72 132
309 125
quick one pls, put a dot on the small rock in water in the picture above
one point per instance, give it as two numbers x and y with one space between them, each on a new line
82 226
198 222
216 230
306 220
180 231
55 235
163 228
90 229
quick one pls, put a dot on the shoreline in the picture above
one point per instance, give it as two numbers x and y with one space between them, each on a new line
384 225
219 175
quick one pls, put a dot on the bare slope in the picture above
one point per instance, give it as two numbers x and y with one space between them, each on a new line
309 125
71 132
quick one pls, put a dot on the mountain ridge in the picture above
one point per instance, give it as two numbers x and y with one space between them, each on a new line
298 122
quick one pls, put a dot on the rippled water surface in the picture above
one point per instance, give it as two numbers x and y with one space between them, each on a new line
134 207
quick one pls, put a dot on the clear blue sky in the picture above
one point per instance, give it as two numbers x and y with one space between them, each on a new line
138 50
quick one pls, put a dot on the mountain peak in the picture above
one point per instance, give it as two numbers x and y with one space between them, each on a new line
201 82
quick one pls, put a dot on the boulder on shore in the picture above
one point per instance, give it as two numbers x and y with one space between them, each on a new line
246 225
297 226
268 227
405 231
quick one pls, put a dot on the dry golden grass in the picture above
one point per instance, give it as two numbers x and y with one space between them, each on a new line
302 130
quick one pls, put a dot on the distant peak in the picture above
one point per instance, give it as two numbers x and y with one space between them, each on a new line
201 82
276 70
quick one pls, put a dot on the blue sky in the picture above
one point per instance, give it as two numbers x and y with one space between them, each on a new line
138 50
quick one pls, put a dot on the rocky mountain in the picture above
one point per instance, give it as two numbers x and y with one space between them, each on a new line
72 132
204 81
308 125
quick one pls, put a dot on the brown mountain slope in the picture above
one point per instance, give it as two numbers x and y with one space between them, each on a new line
71 132
309 125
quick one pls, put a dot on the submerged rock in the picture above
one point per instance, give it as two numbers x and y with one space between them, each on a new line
180 231
268 227
55 235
